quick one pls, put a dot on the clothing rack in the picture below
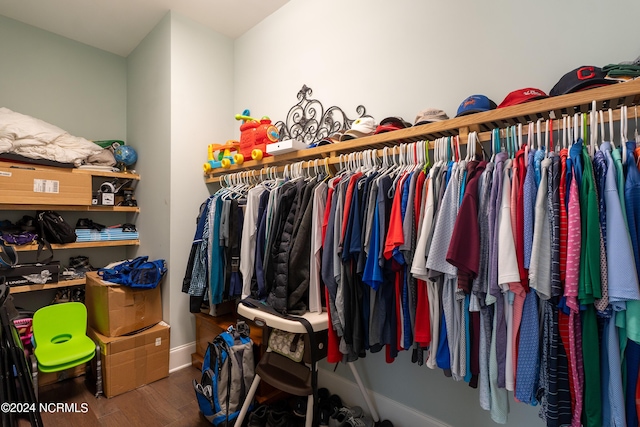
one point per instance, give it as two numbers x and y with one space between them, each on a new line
550 109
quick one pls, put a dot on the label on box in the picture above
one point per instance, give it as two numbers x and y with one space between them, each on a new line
108 199
3 173
46 186
158 342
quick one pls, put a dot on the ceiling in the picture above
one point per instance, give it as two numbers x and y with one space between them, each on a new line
118 26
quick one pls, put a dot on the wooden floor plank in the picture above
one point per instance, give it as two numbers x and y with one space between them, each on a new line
167 402
114 419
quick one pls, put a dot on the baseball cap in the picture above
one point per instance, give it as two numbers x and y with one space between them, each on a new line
582 78
362 126
331 139
521 96
430 115
475 104
392 123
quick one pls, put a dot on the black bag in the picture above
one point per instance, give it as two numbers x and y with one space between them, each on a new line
53 228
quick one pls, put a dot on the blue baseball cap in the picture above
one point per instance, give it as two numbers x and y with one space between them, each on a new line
475 104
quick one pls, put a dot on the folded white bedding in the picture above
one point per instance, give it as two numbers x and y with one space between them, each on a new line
36 139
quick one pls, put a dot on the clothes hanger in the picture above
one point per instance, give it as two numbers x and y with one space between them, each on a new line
576 135
539 134
509 142
495 142
593 127
428 160
564 132
531 136
637 135
624 132
602 133
551 141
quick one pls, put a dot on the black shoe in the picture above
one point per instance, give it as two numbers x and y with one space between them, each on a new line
301 407
324 413
258 418
279 419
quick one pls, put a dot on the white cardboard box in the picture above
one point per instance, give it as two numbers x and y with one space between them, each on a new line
286 146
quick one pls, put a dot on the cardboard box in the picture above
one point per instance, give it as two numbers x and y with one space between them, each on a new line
115 310
46 378
33 185
132 361
286 146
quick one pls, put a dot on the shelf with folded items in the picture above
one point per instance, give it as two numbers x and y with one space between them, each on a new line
107 174
60 284
612 96
81 245
79 208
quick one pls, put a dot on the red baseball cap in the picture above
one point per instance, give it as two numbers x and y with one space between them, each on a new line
392 123
521 96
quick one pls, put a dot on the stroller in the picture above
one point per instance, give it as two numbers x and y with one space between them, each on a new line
16 385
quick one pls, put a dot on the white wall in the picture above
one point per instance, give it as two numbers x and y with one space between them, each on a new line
149 132
201 113
69 84
75 87
399 57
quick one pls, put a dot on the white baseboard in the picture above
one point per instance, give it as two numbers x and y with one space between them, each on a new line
180 357
400 415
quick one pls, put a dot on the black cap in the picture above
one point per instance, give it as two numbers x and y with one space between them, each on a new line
582 78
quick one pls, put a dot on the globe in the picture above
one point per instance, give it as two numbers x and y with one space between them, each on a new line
125 154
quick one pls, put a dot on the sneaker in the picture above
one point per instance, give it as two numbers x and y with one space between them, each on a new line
258 418
337 419
353 412
279 419
358 422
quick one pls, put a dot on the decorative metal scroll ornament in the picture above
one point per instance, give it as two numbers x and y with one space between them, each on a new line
308 122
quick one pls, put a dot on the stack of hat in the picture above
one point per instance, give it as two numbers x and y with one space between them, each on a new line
392 123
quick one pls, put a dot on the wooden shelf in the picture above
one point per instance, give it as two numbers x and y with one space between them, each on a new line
81 245
60 284
79 208
612 96
106 174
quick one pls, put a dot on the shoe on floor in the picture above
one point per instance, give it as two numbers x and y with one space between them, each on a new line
354 411
324 414
337 419
358 422
279 419
258 418
385 423
300 409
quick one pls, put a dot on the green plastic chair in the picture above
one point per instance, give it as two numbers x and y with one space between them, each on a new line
60 337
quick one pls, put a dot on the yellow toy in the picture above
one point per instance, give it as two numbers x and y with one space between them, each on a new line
219 156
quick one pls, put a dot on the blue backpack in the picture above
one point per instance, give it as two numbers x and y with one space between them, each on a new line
227 373
136 273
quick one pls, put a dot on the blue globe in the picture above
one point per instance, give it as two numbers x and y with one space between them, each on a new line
126 155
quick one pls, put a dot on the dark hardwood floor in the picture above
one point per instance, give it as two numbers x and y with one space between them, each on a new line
168 402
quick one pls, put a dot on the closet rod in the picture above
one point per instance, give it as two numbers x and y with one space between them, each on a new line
613 96
334 158
557 125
